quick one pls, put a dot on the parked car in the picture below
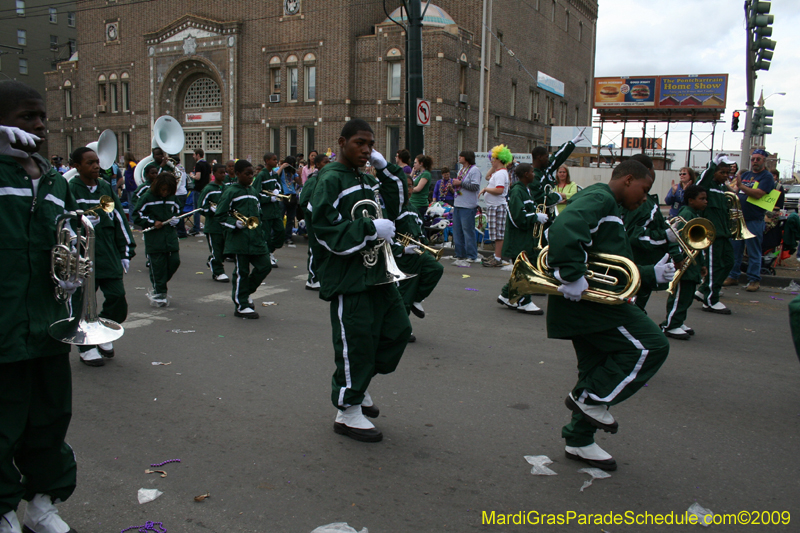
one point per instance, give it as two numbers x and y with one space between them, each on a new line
792 198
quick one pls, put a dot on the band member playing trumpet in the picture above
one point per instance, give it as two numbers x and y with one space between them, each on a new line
411 259
114 247
159 209
679 302
36 464
618 347
240 211
268 188
312 284
521 219
215 234
369 321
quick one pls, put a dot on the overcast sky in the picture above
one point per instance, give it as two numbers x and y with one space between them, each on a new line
641 37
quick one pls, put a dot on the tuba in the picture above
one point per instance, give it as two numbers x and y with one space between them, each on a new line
72 260
106 149
602 269
371 256
695 236
167 135
738 228
408 240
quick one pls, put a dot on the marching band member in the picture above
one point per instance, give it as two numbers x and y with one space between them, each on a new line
149 174
245 243
36 464
618 347
215 234
271 206
159 208
427 269
521 218
114 248
312 284
545 165
368 318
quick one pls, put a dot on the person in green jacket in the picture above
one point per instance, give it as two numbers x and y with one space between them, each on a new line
719 256
618 347
271 206
113 244
679 302
159 209
312 283
422 184
520 221
427 269
36 464
215 233
245 243
369 321
149 173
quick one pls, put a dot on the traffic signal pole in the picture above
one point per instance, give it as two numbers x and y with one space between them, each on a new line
744 162
414 80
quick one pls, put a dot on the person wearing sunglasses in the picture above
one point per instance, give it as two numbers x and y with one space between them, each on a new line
674 197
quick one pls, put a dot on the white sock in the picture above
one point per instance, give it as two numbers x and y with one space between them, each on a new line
497 258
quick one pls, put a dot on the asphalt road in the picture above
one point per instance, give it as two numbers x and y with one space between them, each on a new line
245 406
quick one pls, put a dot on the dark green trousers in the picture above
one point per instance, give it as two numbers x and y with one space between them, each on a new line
274 233
428 273
613 365
216 248
163 266
246 281
370 333
115 306
719 262
678 304
35 410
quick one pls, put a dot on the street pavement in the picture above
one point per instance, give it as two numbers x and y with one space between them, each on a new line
245 406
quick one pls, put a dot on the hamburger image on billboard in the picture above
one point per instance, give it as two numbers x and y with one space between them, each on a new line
609 92
640 92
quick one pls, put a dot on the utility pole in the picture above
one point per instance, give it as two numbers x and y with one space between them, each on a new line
414 81
481 97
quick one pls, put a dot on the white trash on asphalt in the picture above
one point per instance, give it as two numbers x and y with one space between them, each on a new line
701 512
148 495
596 473
539 463
793 287
338 527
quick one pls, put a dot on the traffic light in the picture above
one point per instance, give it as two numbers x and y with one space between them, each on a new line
759 21
762 120
735 121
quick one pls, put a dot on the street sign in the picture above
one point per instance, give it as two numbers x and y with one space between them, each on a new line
423 112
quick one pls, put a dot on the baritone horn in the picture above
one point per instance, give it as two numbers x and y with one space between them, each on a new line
602 269
738 227
695 236
408 240
371 256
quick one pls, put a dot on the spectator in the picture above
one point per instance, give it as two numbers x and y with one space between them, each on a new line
466 186
130 182
422 184
497 190
181 193
674 198
201 176
289 180
309 168
403 159
564 185
58 164
443 191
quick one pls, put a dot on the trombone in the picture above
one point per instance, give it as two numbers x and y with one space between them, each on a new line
407 240
277 195
249 222
173 218
695 236
106 204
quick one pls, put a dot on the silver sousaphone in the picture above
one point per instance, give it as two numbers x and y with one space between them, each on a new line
106 149
167 135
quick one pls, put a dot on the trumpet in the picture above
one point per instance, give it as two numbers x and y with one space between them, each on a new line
407 240
370 256
151 228
738 227
106 204
695 236
277 195
603 269
249 222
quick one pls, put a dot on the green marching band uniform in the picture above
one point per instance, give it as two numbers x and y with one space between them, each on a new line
678 303
35 377
306 194
369 321
647 232
544 177
618 347
274 233
719 256
113 242
794 322
145 186
160 245
427 269
215 233
246 244
520 220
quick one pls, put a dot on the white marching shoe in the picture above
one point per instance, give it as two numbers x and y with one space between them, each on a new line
677 333
417 309
41 516
592 455
596 415
352 423
530 308
92 358
9 523
273 261
502 300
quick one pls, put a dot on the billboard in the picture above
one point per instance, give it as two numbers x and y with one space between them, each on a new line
704 91
636 142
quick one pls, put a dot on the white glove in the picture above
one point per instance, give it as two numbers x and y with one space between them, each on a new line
69 287
275 198
574 290
671 237
213 208
174 221
411 250
384 228
126 263
665 270
239 224
10 135
377 160
580 137
542 217
722 158
93 219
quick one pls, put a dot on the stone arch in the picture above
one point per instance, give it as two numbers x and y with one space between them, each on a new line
176 83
